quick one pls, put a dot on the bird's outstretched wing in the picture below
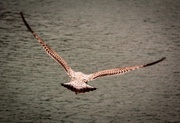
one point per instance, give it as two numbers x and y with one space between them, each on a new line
119 71
48 50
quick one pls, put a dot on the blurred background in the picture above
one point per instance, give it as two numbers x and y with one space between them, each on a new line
90 35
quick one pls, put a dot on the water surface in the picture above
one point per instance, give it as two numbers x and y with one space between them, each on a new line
90 36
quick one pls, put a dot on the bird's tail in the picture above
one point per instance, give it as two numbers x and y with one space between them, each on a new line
78 87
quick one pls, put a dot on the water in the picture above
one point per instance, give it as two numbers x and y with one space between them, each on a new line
90 36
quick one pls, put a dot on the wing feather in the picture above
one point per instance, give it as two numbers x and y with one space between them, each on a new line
48 50
119 71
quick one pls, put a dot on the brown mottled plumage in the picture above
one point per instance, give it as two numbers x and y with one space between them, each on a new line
79 80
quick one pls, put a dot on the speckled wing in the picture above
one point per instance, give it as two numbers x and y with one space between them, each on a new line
48 50
119 71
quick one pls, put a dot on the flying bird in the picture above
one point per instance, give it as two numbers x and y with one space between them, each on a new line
79 80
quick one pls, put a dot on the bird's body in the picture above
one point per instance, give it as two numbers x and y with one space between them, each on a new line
79 80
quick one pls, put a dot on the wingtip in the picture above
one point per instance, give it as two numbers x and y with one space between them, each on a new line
27 25
163 58
21 13
155 62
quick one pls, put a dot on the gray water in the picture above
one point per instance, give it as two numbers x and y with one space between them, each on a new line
90 35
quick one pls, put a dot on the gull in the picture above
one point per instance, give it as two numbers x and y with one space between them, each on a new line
79 80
